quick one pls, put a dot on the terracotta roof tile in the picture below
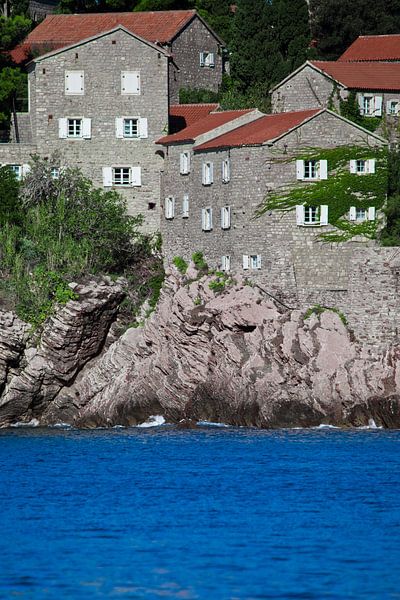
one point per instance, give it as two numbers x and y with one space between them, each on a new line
211 121
183 115
257 132
373 47
58 31
363 75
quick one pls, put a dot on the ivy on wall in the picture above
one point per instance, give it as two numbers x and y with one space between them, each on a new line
339 192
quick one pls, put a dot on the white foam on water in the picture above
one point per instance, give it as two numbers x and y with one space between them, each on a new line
61 426
31 423
325 426
212 424
153 421
371 425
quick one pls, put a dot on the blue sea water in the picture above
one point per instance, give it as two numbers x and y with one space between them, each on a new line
210 513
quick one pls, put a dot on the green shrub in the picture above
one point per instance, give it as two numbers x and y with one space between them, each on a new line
199 261
180 264
317 309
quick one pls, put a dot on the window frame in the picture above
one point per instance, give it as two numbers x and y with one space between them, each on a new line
74 121
121 183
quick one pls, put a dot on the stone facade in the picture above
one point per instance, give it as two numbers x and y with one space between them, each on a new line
187 69
296 267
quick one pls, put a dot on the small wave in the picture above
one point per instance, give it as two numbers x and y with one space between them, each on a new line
211 424
31 423
325 426
153 421
371 425
61 426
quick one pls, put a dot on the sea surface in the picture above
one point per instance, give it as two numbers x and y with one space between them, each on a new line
215 513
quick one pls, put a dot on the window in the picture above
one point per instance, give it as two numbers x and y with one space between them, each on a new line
251 261
206 219
312 169
370 105
130 82
311 215
122 176
362 166
225 263
207 59
226 170
55 173
185 207
360 214
131 127
17 170
184 163
392 107
225 217
75 127
169 207
207 174
74 83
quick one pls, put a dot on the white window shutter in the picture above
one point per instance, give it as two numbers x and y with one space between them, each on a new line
211 59
185 206
182 163
74 82
203 219
107 176
226 263
119 127
353 166
258 261
371 165
352 213
62 128
86 128
136 176
204 174
371 213
169 207
225 217
211 172
202 58
246 262
388 107
396 110
323 211
300 214
130 82
378 106
323 169
25 169
300 169
143 129
226 170
361 103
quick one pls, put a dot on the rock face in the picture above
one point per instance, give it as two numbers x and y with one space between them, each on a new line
234 357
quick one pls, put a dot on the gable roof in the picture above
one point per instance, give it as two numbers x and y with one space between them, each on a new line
373 47
264 129
184 115
362 76
204 125
59 31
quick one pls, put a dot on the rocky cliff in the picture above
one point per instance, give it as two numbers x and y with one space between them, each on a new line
235 357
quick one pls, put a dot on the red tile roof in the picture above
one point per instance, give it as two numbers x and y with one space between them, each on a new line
208 123
373 47
59 31
183 115
363 75
262 130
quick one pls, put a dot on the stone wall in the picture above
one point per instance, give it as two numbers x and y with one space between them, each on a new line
186 71
296 267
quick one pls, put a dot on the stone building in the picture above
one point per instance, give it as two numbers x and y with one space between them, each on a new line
196 51
214 184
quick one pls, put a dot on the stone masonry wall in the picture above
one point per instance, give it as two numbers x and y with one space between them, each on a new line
296 267
186 48
102 61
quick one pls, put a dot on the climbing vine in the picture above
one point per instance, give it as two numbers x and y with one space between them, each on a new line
339 192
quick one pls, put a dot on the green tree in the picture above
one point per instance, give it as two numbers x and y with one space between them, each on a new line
10 206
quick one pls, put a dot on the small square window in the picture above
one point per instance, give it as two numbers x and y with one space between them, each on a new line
361 166
121 176
361 214
311 215
207 59
74 128
131 128
393 107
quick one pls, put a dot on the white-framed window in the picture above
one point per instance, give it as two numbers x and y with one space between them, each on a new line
207 59
361 214
55 173
207 173
251 261
392 107
122 176
225 217
226 170
206 218
17 170
74 83
370 105
311 214
184 163
185 206
131 127
130 82
362 166
225 263
312 169
75 127
169 207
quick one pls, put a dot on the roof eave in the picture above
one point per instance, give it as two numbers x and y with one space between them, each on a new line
196 14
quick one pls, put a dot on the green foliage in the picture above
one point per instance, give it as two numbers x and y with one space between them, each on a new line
317 309
220 282
194 96
390 236
13 30
199 261
350 110
180 264
339 192
10 206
